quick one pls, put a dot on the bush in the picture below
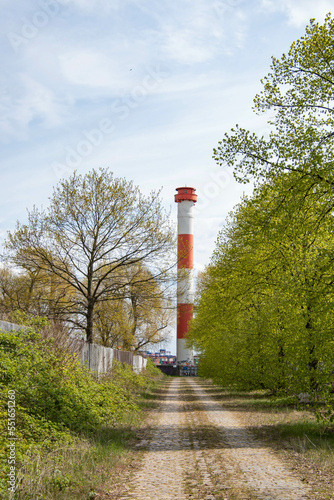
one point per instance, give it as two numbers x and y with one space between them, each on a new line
57 399
153 371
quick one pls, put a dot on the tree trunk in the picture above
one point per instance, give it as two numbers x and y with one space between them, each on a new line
89 323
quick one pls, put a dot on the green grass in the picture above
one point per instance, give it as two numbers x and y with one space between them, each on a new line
74 472
284 424
88 465
308 436
74 430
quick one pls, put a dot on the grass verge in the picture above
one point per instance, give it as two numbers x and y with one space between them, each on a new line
73 431
290 429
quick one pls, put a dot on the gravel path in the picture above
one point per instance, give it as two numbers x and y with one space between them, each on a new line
198 450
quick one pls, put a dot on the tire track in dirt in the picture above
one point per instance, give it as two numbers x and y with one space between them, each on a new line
197 450
173 466
162 470
247 462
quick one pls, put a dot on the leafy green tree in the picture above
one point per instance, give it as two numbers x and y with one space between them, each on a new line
142 317
112 327
265 302
34 292
298 95
269 286
150 308
96 226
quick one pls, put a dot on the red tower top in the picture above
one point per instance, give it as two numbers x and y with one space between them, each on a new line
185 193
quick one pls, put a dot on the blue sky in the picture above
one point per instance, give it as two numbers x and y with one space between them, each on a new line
145 87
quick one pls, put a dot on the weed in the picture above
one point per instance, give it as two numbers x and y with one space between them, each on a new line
73 428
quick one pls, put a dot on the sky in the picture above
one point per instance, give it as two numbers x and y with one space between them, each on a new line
146 88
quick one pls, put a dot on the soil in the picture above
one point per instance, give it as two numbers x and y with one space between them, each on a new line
195 447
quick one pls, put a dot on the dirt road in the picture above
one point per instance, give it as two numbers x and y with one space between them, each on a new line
198 450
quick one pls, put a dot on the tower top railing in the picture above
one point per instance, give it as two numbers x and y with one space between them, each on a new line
185 193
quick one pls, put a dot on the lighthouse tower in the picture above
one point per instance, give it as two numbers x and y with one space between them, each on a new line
186 199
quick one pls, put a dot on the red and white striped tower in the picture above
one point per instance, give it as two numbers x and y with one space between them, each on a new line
186 198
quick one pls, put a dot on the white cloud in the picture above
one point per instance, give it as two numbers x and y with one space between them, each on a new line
79 67
299 12
93 5
31 101
39 102
195 32
116 69
90 68
186 47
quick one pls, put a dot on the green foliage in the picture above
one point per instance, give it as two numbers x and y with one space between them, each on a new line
265 308
123 375
141 316
57 388
298 93
96 229
57 400
152 370
131 381
264 312
20 317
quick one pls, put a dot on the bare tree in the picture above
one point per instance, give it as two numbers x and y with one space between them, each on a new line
96 227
